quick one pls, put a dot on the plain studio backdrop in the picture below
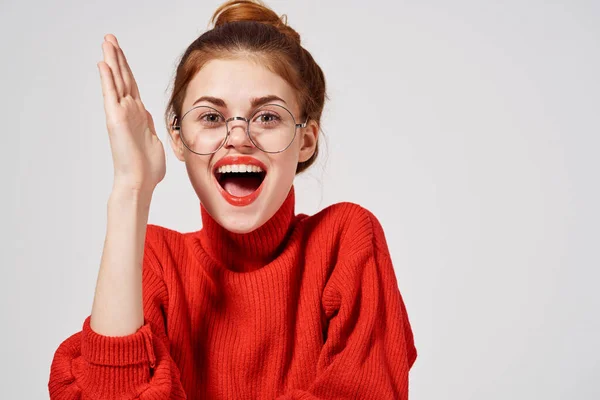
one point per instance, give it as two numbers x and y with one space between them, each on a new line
469 128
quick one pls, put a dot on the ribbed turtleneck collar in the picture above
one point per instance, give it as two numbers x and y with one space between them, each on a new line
243 252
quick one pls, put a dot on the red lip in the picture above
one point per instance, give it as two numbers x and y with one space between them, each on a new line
228 160
247 160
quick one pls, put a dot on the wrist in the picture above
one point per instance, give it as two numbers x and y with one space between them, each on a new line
133 196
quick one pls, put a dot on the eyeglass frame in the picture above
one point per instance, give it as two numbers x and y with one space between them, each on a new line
227 120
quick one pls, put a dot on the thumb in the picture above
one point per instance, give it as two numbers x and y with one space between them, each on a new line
151 122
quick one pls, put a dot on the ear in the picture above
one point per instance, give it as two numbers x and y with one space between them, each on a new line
177 144
308 140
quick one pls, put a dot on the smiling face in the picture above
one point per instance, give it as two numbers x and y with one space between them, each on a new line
241 186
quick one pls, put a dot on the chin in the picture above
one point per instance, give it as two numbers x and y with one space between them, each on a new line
241 193
243 218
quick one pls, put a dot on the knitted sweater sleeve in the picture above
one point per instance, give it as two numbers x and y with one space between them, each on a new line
369 348
88 365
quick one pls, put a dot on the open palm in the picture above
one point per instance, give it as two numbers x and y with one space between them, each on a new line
138 154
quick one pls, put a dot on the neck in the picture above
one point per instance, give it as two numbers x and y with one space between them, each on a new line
244 252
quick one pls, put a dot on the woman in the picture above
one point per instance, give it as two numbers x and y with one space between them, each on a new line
261 302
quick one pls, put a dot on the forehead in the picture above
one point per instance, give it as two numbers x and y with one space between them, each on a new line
237 81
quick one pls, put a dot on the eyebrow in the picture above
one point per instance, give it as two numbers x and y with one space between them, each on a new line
254 102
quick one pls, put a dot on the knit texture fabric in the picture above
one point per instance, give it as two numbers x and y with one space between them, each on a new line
304 307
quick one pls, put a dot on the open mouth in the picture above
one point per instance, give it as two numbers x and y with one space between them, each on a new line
242 182
240 179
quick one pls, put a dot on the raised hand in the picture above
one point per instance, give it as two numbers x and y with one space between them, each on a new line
137 152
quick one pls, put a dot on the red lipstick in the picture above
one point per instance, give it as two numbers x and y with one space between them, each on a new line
233 160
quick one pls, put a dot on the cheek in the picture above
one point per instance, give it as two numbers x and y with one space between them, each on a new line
287 162
197 165
198 173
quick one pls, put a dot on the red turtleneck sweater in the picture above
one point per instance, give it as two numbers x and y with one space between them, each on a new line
305 307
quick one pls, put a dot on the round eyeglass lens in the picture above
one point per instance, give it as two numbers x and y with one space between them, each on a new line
272 128
203 129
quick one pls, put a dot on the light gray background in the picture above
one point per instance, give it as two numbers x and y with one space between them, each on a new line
470 129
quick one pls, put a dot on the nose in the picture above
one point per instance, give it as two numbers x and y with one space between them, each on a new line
238 136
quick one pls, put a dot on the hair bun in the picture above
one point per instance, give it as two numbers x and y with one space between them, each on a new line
247 10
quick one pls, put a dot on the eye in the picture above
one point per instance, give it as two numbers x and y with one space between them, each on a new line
210 118
267 118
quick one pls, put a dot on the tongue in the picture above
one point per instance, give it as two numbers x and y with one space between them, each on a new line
240 187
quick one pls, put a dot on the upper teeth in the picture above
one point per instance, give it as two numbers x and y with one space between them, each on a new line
239 168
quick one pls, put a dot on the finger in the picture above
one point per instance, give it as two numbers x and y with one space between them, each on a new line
112 38
128 75
128 79
109 92
110 58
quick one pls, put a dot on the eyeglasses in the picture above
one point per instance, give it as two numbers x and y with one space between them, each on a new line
271 128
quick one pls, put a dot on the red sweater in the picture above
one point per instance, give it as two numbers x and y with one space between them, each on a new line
305 307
